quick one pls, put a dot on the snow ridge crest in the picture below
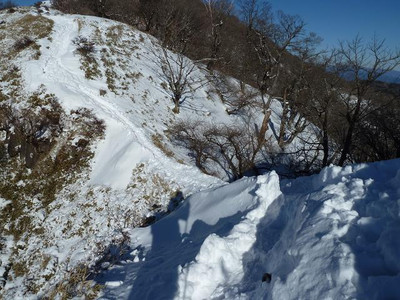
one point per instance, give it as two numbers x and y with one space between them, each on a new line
218 268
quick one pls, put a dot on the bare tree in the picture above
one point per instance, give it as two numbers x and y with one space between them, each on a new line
190 135
175 23
176 70
380 134
295 88
365 63
217 12
234 148
253 10
272 40
69 6
324 109
237 96
147 11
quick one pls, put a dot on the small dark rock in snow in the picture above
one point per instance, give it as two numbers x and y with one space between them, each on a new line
266 277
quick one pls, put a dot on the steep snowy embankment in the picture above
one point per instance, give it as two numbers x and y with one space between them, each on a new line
328 236
133 173
127 142
325 236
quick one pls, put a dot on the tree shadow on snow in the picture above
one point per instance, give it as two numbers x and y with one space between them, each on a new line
268 253
373 235
156 276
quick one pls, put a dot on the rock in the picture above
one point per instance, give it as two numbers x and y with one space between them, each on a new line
266 277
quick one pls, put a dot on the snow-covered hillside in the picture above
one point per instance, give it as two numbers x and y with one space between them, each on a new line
329 236
129 179
86 159
62 218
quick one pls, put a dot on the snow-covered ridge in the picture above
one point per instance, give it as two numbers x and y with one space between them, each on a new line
327 236
130 177
320 237
127 138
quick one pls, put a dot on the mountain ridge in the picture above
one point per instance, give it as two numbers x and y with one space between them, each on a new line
113 167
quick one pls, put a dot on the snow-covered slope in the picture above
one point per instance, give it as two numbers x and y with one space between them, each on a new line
329 236
130 177
135 171
130 122
313 234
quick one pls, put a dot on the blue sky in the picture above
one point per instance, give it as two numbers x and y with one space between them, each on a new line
337 20
23 2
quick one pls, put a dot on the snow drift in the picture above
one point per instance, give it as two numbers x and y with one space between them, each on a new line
331 235
327 236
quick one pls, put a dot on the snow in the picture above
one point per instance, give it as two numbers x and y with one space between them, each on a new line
126 144
327 236
89 215
219 265
118 148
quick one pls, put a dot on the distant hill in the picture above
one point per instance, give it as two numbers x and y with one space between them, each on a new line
390 77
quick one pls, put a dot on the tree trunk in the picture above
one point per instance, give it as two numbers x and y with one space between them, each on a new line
347 144
350 131
176 109
325 141
261 134
282 129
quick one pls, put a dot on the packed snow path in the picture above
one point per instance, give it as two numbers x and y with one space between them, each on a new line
328 236
59 70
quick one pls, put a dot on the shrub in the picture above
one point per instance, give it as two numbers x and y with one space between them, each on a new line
23 43
86 49
83 45
234 148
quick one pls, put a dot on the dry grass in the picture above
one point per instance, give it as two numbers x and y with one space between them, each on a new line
114 33
63 159
22 34
64 162
58 163
158 142
76 284
38 27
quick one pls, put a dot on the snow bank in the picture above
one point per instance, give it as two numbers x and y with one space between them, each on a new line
340 237
192 251
328 236
219 264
